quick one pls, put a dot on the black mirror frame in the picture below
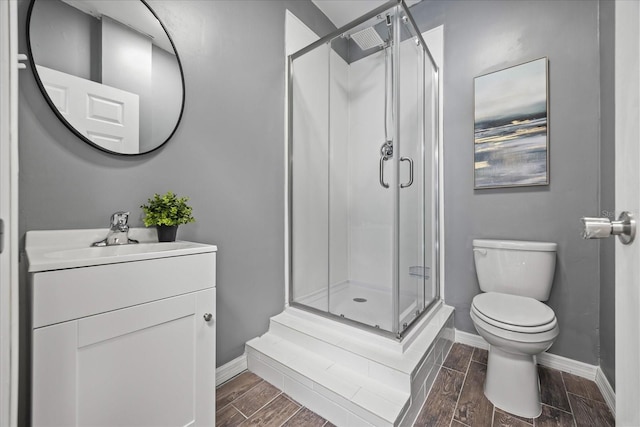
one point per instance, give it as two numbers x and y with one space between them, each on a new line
73 129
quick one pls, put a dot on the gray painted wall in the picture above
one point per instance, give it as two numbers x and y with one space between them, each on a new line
607 189
486 36
227 155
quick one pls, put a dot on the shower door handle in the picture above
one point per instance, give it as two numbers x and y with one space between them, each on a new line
408 159
384 184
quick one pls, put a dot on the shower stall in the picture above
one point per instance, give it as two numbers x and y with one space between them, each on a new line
363 241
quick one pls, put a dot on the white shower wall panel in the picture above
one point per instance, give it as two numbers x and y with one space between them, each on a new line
310 173
320 178
371 215
370 205
339 170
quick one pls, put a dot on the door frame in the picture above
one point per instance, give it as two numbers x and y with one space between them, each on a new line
9 212
627 194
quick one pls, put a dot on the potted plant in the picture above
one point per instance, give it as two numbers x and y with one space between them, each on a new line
166 213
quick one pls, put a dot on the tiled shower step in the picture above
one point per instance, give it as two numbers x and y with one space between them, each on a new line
364 353
346 397
351 377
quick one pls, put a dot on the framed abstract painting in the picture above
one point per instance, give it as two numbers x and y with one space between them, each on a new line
511 127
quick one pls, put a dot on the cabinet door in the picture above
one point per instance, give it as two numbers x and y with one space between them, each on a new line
148 365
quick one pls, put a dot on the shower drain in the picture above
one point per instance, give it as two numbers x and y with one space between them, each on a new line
360 299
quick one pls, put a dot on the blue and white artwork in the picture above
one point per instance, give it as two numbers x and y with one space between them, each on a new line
510 127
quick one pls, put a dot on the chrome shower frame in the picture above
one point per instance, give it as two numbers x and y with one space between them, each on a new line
398 331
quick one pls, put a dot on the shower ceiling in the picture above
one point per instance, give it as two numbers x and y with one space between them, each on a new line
341 12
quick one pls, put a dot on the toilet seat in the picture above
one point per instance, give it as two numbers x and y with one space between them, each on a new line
510 337
514 313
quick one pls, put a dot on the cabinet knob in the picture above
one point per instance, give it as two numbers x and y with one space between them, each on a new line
208 317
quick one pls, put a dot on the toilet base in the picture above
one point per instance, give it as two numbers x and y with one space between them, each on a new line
512 383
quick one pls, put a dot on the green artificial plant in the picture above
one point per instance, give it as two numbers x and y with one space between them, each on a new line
167 210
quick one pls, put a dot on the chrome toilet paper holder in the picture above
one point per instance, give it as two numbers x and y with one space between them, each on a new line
599 228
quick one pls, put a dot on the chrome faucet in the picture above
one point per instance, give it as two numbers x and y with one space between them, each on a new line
118 231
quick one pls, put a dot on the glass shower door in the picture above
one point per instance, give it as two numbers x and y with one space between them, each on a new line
363 174
416 172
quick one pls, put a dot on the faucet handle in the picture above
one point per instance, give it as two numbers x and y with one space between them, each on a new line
120 219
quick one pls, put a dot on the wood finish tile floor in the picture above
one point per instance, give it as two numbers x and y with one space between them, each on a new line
456 399
248 400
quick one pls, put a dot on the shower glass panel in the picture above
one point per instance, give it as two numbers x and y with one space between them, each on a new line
417 148
309 172
362 126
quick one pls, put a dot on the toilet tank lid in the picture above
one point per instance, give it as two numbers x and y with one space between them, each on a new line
518 245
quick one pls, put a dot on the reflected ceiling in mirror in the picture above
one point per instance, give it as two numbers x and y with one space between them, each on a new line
109 70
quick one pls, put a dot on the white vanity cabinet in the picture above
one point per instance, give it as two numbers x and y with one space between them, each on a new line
125 344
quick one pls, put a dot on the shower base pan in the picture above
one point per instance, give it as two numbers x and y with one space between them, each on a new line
349 376
362 302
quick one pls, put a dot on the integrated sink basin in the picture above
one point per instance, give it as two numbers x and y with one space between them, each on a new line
118 250
61 249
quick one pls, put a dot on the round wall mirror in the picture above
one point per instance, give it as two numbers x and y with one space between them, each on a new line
109 70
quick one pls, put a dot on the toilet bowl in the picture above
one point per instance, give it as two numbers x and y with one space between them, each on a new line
512 376
510 316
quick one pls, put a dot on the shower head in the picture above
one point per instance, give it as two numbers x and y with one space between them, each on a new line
367 38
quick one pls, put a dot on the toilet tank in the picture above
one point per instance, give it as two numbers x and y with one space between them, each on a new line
515 267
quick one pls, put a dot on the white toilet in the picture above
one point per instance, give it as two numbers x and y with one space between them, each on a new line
514 277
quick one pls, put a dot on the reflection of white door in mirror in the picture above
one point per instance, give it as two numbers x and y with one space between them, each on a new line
117 43
107 116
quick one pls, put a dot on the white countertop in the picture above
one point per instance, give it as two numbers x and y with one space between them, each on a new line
62 249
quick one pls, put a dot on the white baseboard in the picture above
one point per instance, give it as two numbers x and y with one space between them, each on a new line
549 360
471 339
581 369
571 366
229 370
606 390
